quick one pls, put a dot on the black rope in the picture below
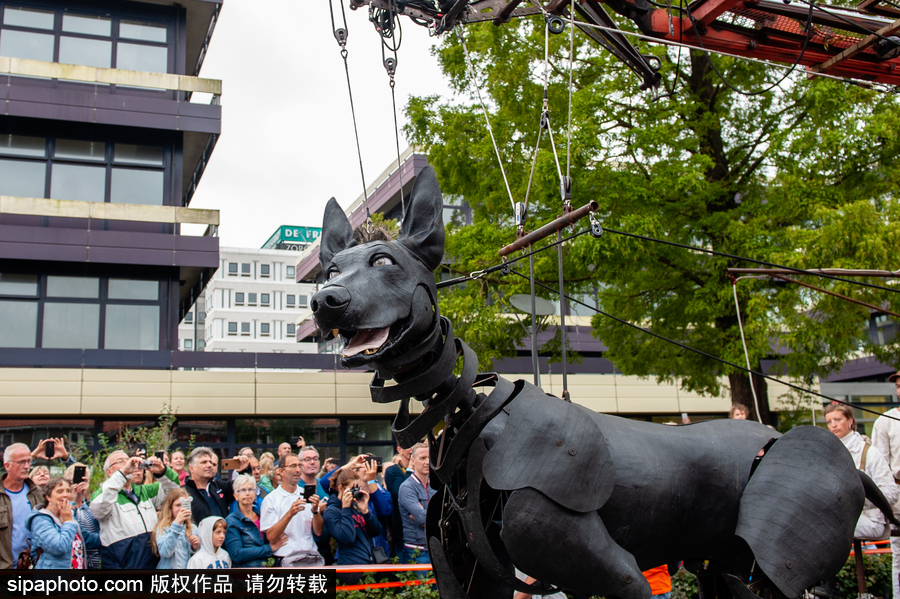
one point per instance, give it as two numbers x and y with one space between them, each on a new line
504 265
754 261
809 26
341 34
390 65
703 353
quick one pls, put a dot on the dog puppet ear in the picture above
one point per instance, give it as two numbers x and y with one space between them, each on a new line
337 234
422 231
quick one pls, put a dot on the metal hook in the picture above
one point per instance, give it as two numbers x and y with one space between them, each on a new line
596 228
390 65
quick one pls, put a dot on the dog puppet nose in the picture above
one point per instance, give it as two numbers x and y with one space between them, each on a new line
329 303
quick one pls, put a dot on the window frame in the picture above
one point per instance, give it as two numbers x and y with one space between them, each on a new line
108 164
150 15
102 301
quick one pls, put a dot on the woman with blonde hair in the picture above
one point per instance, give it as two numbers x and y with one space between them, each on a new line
266 466
840 420
39 475
173 539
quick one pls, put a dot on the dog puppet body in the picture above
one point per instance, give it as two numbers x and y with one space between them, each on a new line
578 500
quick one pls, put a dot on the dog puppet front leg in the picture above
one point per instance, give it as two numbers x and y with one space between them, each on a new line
570 549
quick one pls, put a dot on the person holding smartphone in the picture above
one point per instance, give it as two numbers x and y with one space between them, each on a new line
79 492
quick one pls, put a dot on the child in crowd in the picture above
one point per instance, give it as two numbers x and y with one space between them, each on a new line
173 539
211 554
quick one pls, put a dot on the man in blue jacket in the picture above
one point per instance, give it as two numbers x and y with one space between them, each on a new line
413 501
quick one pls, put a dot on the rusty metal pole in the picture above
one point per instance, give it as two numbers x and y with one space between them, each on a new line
550 228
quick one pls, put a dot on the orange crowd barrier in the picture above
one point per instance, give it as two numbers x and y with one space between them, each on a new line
384 568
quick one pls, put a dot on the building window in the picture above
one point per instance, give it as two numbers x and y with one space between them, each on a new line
251 299
245 270
232 269
201 317
68 312
263 299
264 329
189 317
289 272
85 39
79 170
201 344
245 328
291 301
264 270
188 344
232 328
302 300
131 327
238 298
291 329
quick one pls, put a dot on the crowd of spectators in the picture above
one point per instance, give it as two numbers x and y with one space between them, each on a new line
182 511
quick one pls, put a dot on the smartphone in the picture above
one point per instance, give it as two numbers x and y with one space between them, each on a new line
49 449
186 502
78 474
142 447
160 454
308 491
231 464
294 441
380 461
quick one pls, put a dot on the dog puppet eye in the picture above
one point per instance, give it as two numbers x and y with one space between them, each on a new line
333 273
382 261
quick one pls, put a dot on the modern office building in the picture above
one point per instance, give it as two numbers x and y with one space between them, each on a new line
252 304
101 149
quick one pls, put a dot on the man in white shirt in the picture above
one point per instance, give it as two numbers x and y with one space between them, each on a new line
886 439
285 511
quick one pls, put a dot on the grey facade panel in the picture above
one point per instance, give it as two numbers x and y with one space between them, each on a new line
109 109
107 247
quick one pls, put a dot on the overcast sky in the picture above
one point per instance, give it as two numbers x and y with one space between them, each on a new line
287 142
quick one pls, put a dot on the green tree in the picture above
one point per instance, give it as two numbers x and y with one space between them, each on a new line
802 176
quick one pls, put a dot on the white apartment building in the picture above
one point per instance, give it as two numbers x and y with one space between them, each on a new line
252 304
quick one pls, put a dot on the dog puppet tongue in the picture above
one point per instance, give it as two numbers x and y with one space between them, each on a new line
366 340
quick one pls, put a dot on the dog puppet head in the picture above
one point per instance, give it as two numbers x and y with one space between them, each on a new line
380 295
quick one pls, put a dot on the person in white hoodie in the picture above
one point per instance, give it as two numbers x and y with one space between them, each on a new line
871 524
211 555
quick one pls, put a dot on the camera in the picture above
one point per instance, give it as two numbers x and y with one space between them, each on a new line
146 464
357 494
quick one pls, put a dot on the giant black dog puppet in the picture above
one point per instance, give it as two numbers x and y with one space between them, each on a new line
578 500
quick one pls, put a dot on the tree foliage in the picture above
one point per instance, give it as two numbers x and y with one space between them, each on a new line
802 176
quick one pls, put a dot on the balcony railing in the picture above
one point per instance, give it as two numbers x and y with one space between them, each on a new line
73 72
